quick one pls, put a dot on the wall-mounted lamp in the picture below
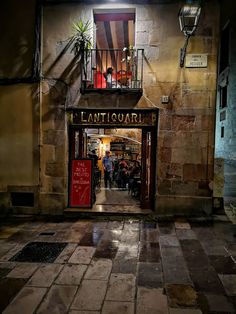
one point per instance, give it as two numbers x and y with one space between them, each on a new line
189 16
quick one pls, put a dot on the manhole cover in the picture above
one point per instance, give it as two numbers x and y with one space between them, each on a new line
39 252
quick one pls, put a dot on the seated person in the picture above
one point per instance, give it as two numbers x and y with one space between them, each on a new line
108 77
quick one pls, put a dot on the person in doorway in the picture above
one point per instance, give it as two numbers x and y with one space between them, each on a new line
94 156
108 168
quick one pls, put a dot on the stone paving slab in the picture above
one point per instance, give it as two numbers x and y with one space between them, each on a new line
90 295
57 300
181 295
66 253
9 287
112 307
219 304
184 311
82 255
24 270
124 267
150 275
99 269
12 252
71 274
121 287
151 301
26 301
45 275
229 283
84 312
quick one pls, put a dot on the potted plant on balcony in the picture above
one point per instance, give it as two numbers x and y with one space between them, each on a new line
81 42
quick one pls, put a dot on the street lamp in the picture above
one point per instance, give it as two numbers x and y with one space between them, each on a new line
189 16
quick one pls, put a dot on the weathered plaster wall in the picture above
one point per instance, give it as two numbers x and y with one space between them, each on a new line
19 105
17 38
186 124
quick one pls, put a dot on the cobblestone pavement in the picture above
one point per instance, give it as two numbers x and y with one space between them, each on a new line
118 267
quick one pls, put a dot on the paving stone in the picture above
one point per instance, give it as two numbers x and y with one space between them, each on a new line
82 255
129 237
12 252
184 311
149 235
9 287
229 283
90 295
131 250
223 264
123 263
148 225
207 280
182 225
4 272
99 269
7 231
181 295
5 247
83 312
149 252
9 265
111 235
121 287
175 270
166 228
150 275
192 250
115 225
45 275
131 225
171 251
66 253
111 307
107 249
26 301
214 247
151 301
91 239
169 240
219 304
57 300
183 234
23 270
71 274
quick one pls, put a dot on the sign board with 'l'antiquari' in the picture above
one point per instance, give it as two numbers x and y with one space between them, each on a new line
196 60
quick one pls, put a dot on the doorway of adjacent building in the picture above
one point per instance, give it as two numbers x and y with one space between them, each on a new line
133 152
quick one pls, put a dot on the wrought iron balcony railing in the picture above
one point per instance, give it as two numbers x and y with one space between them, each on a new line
110 69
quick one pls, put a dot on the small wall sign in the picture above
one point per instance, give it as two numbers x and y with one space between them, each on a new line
196 60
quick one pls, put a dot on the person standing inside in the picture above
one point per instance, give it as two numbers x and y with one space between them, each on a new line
108 168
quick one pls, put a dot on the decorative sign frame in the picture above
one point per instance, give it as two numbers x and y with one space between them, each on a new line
81 183
196 60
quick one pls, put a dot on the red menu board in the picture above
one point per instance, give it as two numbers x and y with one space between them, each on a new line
81 183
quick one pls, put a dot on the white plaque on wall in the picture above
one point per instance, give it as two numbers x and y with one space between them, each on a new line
196 60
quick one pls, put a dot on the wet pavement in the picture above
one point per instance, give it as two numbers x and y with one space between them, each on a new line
118 267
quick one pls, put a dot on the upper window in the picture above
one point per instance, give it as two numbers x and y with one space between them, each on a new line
224 48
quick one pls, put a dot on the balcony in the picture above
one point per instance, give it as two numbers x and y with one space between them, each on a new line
107 71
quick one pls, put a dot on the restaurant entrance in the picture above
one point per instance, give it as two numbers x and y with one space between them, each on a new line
131 143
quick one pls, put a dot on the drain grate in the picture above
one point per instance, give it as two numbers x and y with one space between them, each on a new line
47 233
39 252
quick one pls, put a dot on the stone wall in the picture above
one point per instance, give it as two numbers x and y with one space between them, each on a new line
226 146
186 124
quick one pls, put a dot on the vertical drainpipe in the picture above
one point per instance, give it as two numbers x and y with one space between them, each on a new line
36 77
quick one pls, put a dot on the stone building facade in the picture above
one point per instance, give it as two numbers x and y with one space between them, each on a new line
34 125
225 107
